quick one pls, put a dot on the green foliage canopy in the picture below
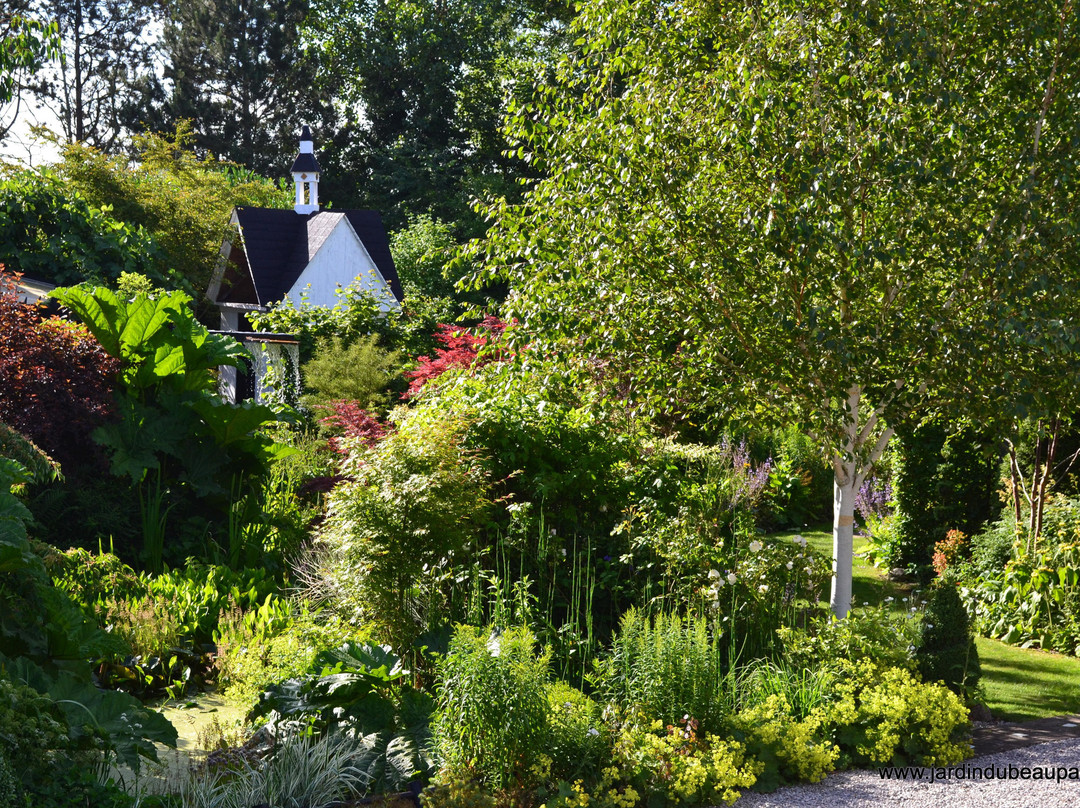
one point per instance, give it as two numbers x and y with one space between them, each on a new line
841 216
424 101
420 250
51 232
181 200
25 45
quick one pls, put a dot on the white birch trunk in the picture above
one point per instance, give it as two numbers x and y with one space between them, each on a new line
843 541
848 477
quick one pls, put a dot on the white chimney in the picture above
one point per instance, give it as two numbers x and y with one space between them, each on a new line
305 171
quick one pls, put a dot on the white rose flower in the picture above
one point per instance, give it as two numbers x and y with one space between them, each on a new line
790 564
755 546
731 578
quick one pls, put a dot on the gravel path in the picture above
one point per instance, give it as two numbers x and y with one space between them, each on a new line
867 789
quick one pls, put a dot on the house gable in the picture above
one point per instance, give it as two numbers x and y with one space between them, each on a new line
278 253
303 253
340 258
275 248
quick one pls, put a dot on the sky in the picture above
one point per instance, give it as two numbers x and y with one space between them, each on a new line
21 147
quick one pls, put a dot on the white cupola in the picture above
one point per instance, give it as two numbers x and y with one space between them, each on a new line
305 171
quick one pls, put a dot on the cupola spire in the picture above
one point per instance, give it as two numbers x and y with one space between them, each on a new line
305 171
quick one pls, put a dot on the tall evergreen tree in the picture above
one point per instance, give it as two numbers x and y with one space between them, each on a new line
424 85
238 71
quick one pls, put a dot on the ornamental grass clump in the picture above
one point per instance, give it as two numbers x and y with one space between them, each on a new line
802 689
492 720
303 772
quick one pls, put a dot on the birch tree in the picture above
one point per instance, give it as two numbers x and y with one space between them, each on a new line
847 215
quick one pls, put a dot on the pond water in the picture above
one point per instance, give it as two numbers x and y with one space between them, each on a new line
198 715
196 718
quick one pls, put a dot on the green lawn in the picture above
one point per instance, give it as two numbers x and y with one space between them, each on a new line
1023 684
1020 684
868 584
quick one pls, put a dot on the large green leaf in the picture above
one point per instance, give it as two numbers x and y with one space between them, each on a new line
168 404
201 462
144 317
99 310
229 423
12 558
358 685
167 360
375 660
129 728
142 433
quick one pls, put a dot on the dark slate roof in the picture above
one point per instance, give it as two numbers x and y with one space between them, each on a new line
305 162
279 244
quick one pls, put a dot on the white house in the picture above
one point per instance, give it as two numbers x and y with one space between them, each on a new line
303 252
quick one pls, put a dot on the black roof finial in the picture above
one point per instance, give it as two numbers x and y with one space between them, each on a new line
305 162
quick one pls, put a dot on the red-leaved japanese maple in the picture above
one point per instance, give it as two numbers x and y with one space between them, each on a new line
461 349
353 421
